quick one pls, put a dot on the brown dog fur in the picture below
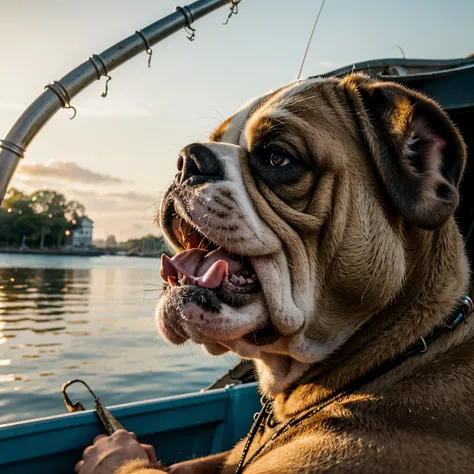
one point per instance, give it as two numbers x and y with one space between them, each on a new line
381 240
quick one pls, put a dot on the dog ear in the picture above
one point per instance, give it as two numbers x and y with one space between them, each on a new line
418 152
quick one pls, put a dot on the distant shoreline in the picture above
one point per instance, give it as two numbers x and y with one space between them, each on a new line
83 253
80 253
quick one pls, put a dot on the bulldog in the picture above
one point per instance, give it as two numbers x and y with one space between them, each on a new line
314 233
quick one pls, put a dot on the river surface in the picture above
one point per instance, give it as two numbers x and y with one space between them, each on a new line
92 318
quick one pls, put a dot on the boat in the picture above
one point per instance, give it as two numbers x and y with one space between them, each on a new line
213 420
180 427
449 82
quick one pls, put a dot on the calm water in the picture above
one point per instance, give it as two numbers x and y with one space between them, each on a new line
89 318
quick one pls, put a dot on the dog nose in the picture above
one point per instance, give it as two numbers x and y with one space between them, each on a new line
199 162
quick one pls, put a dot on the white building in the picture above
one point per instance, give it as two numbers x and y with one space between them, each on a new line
81 235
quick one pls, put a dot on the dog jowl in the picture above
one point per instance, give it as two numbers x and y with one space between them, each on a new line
300 219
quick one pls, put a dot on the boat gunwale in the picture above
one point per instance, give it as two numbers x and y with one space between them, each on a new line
71 430
437 65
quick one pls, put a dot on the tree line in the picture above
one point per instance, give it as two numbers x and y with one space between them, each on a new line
39 219
149 242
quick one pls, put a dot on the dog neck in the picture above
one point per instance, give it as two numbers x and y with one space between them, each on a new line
436 280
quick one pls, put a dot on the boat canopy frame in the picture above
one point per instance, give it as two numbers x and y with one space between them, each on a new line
59 94
448 81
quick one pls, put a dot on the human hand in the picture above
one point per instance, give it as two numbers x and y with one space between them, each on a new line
108 453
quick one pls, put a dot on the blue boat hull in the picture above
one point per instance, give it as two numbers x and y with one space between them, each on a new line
179 428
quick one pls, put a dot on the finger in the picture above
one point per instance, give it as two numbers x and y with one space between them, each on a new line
78 466
99 437
87 451
122 434
150 452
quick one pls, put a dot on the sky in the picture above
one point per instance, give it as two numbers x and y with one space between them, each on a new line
119 154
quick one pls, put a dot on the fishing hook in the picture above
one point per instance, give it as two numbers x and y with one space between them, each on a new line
62 95
191 32
101 70
188 16
148 49
234 10
109 422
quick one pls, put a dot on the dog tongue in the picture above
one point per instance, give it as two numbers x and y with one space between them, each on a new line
214 276
206 269
186 262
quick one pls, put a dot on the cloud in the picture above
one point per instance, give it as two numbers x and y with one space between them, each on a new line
67 171
130 196
116 203
125 214
98 201
133 196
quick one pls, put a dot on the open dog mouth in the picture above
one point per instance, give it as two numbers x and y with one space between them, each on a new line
205 264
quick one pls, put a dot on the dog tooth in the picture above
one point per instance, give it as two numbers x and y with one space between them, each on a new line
242 280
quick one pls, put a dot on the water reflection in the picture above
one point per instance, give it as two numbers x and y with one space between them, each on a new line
63 318
41 294
36 303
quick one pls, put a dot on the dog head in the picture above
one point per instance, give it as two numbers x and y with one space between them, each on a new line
289 223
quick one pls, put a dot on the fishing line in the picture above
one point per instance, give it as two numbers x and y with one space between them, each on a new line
311 38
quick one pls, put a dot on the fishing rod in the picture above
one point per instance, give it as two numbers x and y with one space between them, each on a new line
59 94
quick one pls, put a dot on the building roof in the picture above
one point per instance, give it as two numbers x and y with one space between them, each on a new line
85 218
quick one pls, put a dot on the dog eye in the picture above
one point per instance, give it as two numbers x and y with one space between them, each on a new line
277 160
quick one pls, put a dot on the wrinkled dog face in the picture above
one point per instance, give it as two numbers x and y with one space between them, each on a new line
284 244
